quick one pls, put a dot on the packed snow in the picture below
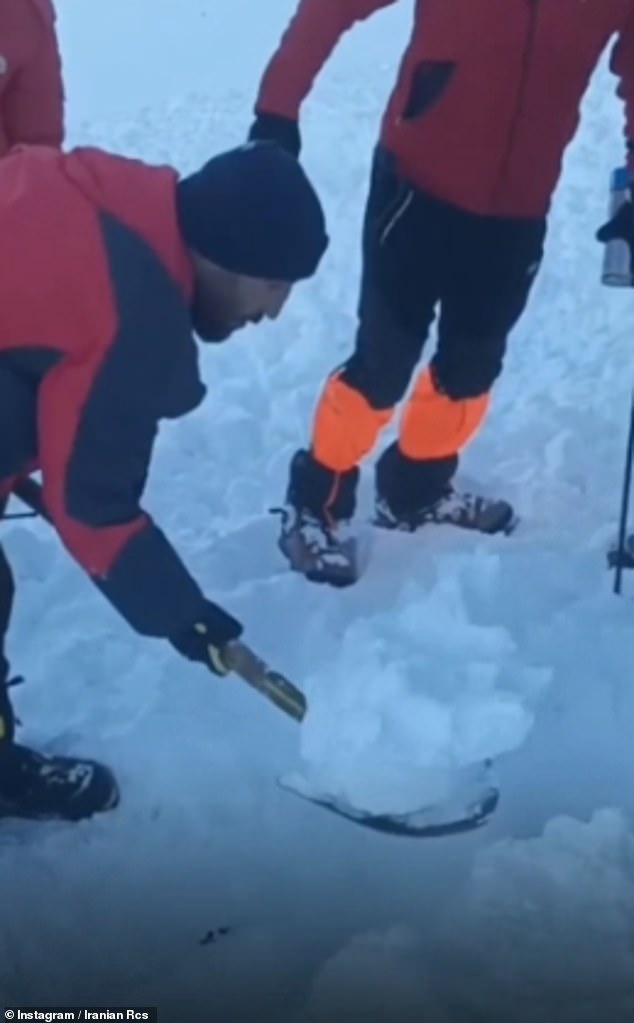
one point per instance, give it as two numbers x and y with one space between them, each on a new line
451 649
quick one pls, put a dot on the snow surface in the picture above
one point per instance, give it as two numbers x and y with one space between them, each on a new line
451 648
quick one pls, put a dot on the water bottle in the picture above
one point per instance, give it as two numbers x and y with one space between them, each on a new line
617 264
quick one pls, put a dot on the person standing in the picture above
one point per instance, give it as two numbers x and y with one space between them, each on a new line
487 98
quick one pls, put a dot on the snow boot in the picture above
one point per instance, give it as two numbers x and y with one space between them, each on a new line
411 494
316 534
454 508
35 786
322 552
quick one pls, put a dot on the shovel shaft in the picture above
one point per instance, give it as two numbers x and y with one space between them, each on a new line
241 660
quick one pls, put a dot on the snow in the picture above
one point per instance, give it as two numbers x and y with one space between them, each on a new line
414 691
544 929
568 942
451 649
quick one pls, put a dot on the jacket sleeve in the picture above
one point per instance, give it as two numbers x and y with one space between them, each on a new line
622 65
33 106
98 419
305 47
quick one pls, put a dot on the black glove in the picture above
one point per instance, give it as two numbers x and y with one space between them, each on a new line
275 128
205 639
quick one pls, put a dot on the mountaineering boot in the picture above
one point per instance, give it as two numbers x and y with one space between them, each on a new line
411 494
454 508
41 787
316 535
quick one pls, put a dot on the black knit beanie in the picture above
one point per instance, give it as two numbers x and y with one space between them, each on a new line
253 211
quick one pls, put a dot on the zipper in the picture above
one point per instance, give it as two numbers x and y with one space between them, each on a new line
527 56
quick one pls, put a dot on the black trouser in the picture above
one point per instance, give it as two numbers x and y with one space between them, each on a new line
419 254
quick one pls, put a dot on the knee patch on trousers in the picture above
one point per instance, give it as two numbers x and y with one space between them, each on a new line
434 425
346 426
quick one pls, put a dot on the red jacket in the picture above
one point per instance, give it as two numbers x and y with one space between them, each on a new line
31 89
96 347
488 91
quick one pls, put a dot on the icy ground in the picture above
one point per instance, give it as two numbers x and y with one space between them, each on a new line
451 648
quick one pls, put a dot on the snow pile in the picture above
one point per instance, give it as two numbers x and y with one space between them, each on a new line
415 691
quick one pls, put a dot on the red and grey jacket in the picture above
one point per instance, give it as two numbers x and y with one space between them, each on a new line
96 347
31 86
488 92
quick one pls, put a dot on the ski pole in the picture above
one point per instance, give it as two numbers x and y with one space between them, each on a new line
621 557
617 273
237 656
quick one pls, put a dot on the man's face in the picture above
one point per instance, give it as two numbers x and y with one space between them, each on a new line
225 302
